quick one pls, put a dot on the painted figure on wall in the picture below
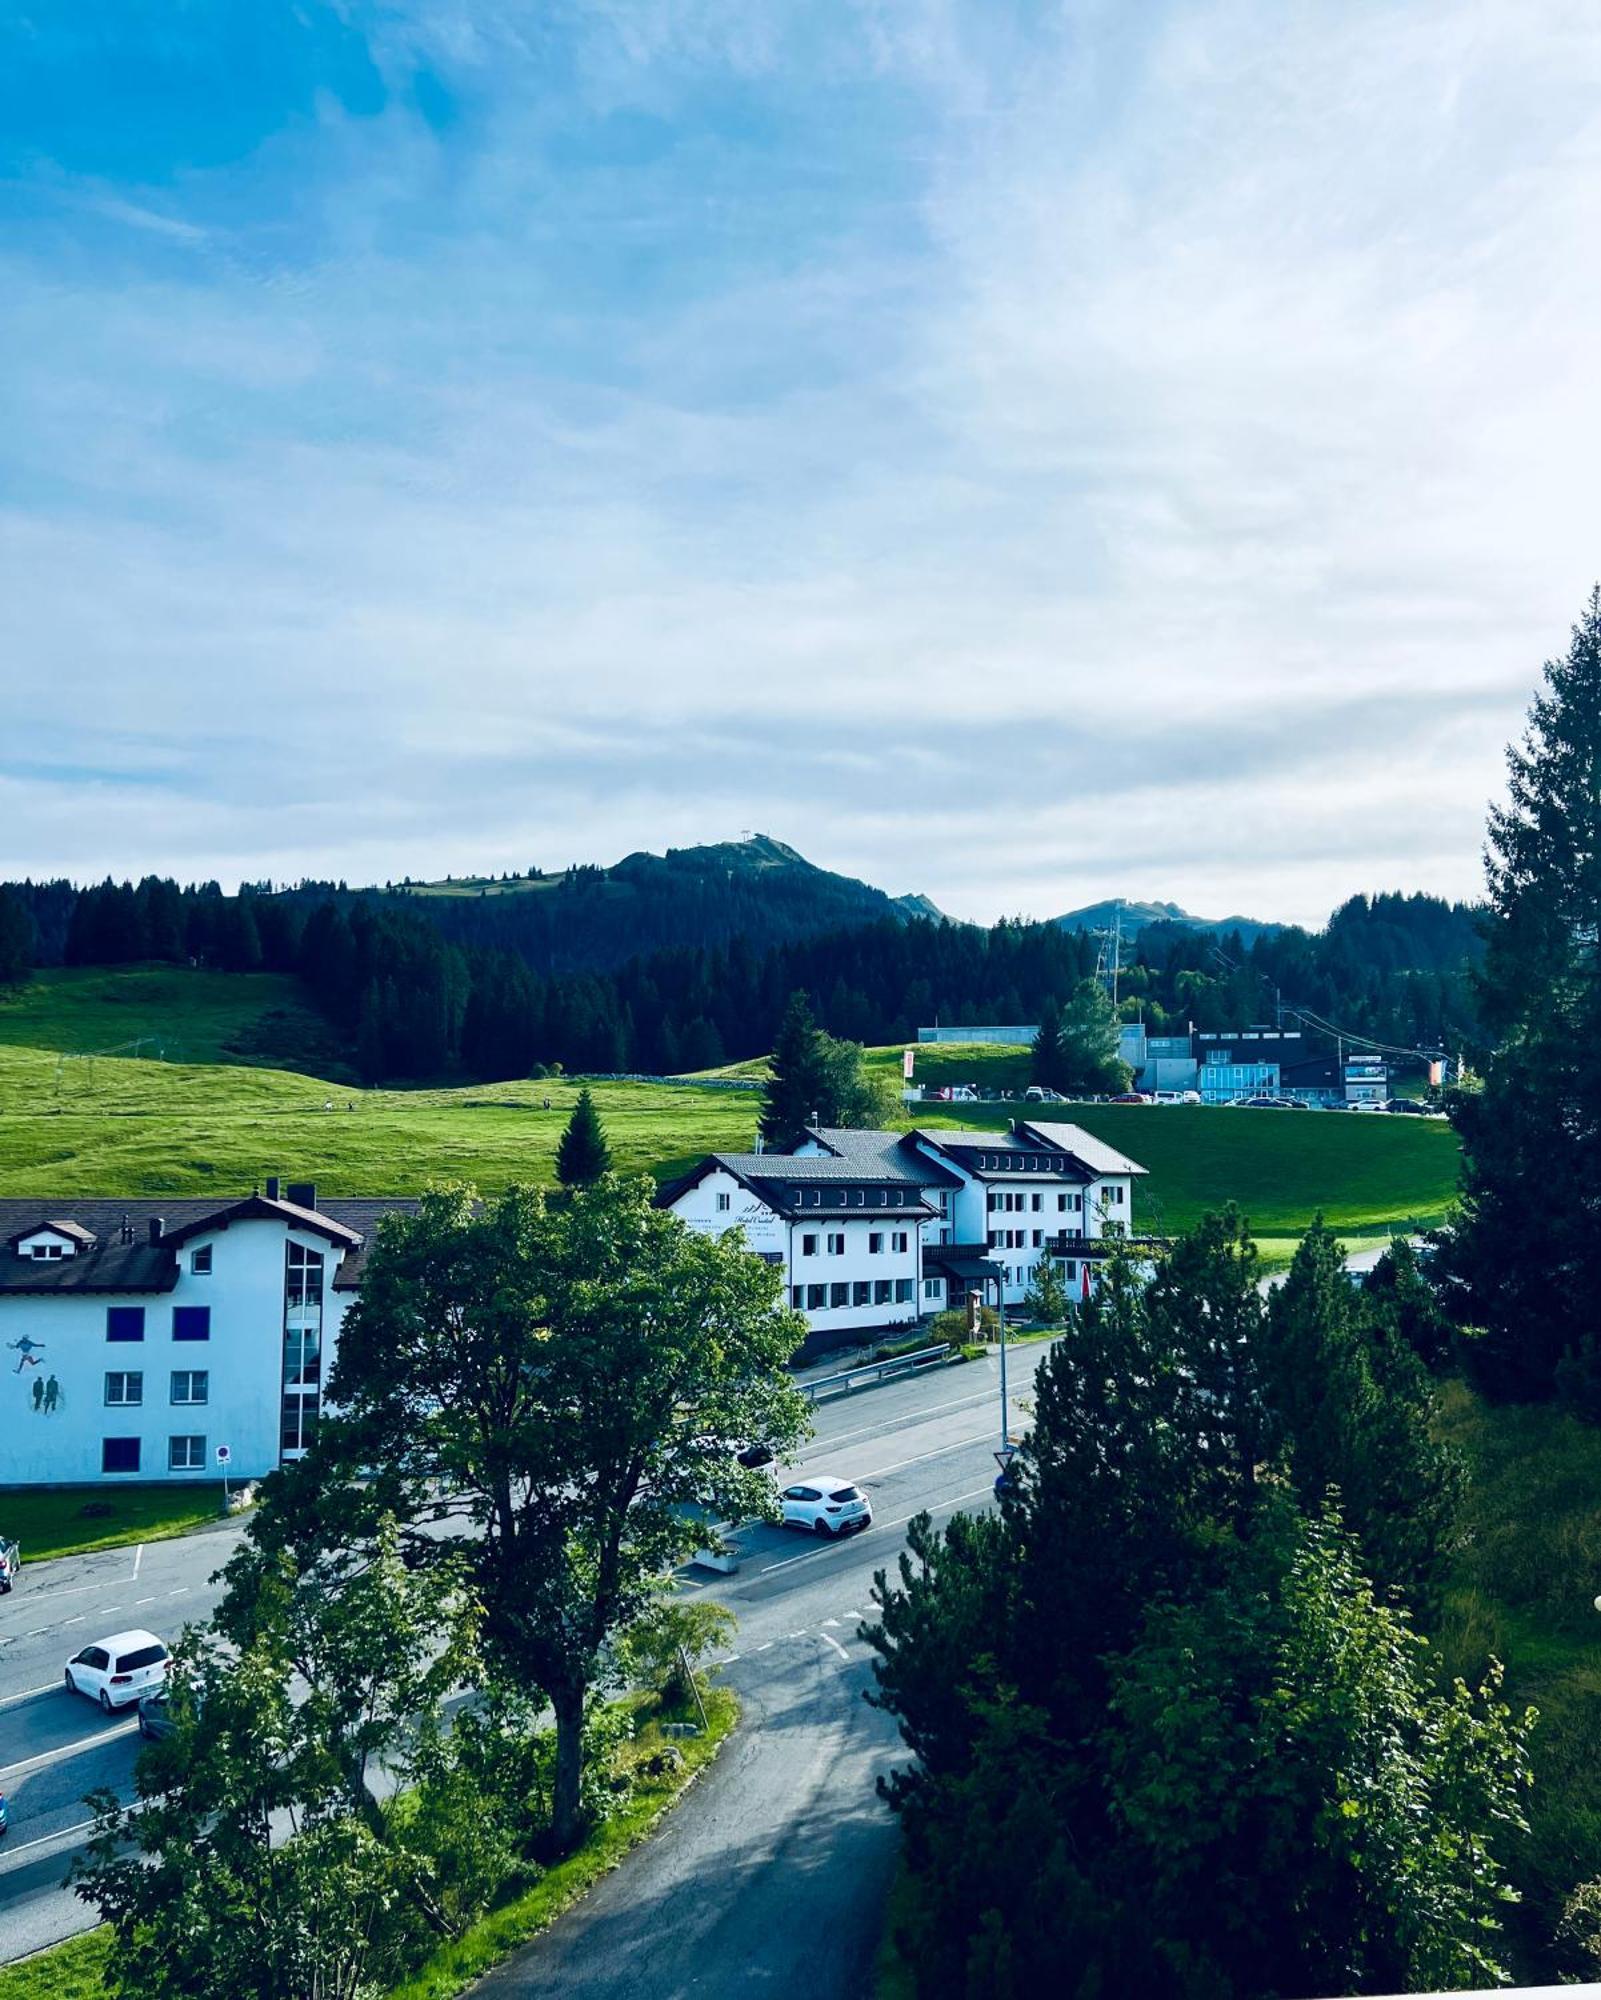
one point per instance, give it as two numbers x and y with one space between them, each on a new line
28 1351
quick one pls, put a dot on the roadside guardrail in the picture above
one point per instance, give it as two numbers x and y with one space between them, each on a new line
871 1373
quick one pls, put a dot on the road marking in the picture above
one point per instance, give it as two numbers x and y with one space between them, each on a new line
74 1621
107 1609
943 1451
45 1839
729 1659
908 1417
801 1634
181 1591
815 1555
37 1631
838 1648
63 1751
831 1624
767 1648
142 1600
29 1694
138 1558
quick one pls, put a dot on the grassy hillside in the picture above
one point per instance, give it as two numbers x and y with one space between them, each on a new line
221 1119
171 1013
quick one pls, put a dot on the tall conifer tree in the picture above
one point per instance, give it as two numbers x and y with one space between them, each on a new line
1529 1243
583 1155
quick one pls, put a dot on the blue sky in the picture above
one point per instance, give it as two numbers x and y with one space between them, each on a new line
1018 452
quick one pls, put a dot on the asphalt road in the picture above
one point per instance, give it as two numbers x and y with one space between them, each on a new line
772 1872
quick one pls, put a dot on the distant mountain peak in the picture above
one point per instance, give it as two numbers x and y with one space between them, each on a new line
1135 915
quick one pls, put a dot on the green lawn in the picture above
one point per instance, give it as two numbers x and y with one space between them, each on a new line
71 1520
1523 1592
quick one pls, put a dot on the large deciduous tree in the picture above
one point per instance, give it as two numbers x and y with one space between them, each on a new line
575 1377
1528 1246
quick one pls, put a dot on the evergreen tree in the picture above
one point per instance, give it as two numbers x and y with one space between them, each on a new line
16 939
1527 1248
1048 1063
583 1155
797 1084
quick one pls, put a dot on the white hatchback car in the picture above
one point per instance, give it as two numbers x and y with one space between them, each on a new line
118 1670
826 1505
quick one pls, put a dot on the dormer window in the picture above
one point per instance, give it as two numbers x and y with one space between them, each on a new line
46 1250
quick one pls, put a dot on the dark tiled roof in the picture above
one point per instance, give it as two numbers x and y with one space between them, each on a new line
892 1151
992 1156
113 1265
961 1260
1095 1153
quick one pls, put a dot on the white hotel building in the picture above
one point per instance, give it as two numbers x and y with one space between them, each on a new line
878 1229
138 1336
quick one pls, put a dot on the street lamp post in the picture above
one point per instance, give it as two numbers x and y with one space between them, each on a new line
1000 1312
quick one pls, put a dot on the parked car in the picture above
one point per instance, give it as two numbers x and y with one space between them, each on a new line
5 1816
1417 1106
826 1505
1130 1097
118 1670
1263 1103
10 1565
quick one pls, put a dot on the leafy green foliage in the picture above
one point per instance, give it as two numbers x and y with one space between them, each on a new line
577 1378
314 1678
1047 1298
1527 1249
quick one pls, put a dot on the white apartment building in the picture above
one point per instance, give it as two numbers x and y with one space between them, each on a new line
877 1229
138 1336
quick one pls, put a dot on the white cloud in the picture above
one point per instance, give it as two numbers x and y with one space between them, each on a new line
1165 380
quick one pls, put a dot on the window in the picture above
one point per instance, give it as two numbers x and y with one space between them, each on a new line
1038 1238
899 1241
875 1243
186 1454
808 1246
1036 1202
191 1322
931 1288
903 1291
862 1292
44 1251
839 1294
995 1239
1070 1271
191 1385
836 1244
119 1454
1115 1196
125 1322
994 1201
724 1201
200 1261
816 1298
125 1390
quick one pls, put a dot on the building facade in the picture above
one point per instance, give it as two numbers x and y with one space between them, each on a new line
137 1337
876 1230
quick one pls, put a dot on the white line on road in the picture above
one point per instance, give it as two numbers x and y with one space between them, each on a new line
138 1558
838 1648
767 1648
942 1451
46 1839
82 1615
831 1624
142 1600
29 1694
63 1751
907 1417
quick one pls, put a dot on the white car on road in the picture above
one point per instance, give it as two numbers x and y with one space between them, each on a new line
825 1504
118 1670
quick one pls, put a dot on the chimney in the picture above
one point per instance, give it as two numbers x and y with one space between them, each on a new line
303 1194
157 1228
272 1187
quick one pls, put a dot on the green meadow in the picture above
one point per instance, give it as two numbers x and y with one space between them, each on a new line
216 1114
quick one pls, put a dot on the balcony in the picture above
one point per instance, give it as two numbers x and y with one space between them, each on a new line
1065 1244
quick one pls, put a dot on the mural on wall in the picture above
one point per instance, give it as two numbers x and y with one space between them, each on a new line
46 1396
28 1350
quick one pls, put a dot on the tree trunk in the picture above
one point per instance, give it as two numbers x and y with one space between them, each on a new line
568 1707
